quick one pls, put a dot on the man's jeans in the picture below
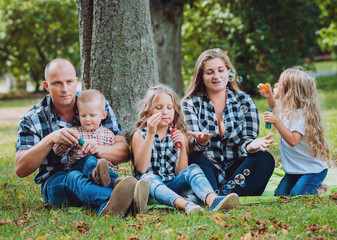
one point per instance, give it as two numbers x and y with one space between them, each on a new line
300 184
76 188
190 178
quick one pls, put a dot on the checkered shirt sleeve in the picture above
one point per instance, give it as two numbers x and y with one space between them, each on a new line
163 158
241 122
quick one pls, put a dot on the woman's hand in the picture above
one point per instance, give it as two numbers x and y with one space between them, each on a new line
152 123
202 138
261 143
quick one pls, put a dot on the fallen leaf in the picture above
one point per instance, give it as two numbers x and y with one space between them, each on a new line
82 230
247 236
333 196
214 237
133 238
7 221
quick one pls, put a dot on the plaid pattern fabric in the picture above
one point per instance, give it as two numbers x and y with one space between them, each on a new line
163 158
241 121
103 136
41 120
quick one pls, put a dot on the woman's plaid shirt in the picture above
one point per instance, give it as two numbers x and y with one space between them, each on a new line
40 121
241 121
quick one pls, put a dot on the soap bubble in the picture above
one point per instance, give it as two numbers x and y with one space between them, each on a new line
231 184
243 108
239 79
239 179
242 184
231 75
246 172
226 189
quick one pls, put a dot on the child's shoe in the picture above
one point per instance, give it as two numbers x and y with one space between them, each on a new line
224 202
100 174
191 208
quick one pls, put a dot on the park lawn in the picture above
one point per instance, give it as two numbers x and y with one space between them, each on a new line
23 215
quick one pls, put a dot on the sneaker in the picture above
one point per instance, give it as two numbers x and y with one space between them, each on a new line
140 197
117 180
191 208
100 174
224 202
322 188
121 197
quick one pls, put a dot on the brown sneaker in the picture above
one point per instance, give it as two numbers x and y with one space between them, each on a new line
118 180
121 197
140 197
100 174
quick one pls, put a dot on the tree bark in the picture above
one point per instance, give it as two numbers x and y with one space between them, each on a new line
167 19
122 55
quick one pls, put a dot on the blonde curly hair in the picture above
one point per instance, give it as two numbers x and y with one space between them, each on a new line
297 90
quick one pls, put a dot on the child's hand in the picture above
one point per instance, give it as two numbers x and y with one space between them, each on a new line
178 137
152 123
270 117
90 147
202 138
265 90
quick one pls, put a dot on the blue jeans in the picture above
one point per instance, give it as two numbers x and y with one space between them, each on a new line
261 166
75 188
190 178
300 184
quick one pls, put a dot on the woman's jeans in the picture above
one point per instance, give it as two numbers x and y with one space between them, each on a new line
300 184
76 188
260 165
190 178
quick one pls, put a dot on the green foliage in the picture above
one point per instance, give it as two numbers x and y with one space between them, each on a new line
34 32
328 18
261 37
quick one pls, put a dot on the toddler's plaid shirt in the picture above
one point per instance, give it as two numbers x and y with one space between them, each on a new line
241 120
103 136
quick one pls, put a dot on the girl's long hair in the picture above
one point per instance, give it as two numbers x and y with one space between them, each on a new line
147 105
297 90
197 87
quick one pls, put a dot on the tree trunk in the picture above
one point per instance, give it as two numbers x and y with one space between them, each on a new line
122 54
167 18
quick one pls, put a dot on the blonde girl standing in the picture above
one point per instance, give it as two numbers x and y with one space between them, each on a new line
164 167
304 150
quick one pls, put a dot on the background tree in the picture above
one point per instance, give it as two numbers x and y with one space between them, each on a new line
118 53
261 37
167 19
327 39
34 32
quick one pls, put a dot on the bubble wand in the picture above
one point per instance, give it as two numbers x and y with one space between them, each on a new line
177 144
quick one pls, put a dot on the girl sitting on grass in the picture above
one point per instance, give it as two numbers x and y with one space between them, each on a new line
304 150
163 165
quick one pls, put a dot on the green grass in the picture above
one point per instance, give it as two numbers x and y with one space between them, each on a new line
23 214
327 66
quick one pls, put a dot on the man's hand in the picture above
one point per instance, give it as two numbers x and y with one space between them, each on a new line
65 136
90 147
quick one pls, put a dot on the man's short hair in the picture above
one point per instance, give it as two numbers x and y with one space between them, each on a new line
59 62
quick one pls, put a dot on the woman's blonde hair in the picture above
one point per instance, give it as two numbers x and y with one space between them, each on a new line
297 90
147 105
197 87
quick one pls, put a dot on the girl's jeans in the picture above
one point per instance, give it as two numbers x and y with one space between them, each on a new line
300 184
260 164
190 178
76 187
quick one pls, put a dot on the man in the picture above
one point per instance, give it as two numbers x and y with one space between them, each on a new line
49 123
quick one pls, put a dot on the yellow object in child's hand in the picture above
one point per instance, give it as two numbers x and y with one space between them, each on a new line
265 87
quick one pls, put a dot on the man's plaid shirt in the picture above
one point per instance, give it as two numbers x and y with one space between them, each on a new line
241 121
102 135
163 157
41 120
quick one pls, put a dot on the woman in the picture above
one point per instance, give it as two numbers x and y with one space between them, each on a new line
224 122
